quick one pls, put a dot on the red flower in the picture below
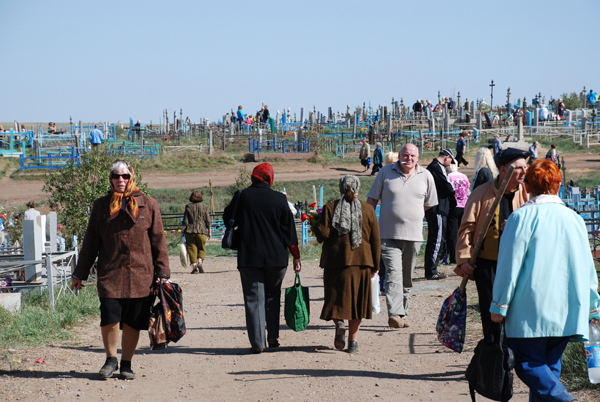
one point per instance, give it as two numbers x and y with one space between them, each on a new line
310 218
303 218
314 204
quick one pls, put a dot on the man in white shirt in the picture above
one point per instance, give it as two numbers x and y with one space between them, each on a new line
406 191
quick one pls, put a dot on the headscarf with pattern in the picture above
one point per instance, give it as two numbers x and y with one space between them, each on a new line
264 172
116 200
347 216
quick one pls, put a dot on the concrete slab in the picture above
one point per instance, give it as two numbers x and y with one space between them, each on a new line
11 301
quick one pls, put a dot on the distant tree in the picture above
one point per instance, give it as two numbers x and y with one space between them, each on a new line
74 189
572 101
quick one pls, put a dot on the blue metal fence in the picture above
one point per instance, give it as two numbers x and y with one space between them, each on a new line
50 161
283 146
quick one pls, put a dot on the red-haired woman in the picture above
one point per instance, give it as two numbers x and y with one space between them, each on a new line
546 285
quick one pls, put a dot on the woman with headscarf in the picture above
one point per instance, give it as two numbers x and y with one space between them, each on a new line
196 229
266 231
546 285
349 231
365 154
485 167
125 233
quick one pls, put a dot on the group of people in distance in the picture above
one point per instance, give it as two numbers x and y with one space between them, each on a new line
262 116
424 106
534 272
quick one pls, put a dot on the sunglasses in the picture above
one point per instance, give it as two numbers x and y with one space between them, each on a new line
115 176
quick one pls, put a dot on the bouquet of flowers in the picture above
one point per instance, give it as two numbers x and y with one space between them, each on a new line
6 285
313 217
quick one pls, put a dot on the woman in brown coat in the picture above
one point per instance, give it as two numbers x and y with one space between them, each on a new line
196 229
349 231
125 233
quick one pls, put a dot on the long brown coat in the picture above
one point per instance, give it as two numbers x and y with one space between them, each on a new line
347 272
337 250
130 252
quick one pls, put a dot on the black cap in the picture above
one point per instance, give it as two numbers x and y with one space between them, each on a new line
508 155
448 152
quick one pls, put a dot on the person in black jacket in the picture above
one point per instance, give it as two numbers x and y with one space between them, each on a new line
266 230
436 216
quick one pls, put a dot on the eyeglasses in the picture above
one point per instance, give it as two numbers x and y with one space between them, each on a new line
115 176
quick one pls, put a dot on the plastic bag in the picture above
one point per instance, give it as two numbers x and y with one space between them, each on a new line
375 294
297 306
183 255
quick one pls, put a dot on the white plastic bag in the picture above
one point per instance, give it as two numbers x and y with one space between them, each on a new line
183 255
375 294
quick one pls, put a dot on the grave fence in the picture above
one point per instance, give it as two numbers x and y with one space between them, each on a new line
50 161
58 270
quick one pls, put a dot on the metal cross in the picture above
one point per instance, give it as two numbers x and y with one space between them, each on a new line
439 99
508 95
492 85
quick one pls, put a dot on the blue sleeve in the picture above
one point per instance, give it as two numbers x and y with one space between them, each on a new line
511 258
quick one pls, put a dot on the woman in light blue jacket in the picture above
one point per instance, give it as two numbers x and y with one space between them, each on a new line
546 286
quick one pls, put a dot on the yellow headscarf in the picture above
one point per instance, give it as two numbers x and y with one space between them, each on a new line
117 198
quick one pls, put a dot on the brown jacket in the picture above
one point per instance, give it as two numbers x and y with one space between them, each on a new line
130 252
478 205
337 250
196 218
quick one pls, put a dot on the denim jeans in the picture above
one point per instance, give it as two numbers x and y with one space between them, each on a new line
537 363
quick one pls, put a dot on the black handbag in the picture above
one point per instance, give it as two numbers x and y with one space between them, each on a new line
230 240
490 370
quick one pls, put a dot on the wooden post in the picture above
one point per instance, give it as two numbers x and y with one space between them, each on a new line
212 200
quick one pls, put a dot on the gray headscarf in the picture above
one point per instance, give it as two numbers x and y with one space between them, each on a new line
347 216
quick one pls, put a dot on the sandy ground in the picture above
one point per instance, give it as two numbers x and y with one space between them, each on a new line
18 192
212 361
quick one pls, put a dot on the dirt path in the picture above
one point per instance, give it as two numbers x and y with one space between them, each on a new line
16 192
212 361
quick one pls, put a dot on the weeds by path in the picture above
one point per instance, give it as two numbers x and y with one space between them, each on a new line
37 324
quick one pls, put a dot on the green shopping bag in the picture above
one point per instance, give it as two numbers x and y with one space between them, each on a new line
297 306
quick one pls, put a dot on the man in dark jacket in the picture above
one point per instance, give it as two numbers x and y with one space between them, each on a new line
436 216
266 230
265 114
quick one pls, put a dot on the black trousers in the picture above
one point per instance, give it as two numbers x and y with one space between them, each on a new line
453 223
376 168
436 239
262 302
460 159
484 279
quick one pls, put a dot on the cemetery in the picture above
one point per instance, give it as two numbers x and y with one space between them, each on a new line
41 260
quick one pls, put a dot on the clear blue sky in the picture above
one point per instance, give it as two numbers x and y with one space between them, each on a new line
112 60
